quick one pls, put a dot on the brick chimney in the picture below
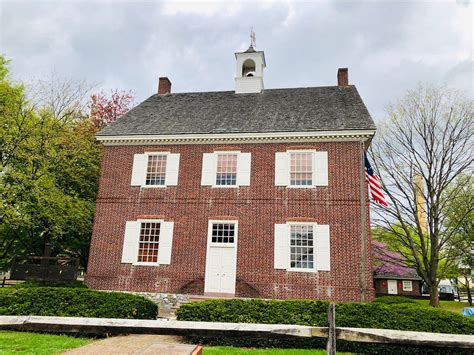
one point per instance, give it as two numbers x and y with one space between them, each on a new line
343 77
164 86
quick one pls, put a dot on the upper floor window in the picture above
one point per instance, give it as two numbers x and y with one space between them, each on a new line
226 169
156 170
301 169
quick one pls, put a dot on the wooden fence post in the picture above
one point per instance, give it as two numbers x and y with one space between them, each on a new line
331 344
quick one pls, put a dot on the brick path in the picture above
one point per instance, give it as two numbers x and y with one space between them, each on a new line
137 344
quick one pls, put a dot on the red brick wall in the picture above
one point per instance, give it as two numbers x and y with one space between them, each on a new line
257 208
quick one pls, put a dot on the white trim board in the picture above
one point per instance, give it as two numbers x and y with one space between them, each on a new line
239 138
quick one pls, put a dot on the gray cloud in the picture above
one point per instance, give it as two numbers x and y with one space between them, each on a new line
388 46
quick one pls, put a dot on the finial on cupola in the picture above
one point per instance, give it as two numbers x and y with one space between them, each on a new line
249 71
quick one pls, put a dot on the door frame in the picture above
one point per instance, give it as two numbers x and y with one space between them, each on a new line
210 244
396 287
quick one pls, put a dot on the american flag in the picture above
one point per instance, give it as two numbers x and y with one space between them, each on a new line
375 190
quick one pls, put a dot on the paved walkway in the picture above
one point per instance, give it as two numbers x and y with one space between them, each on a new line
137 344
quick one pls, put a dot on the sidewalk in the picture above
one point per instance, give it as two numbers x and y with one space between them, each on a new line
138 344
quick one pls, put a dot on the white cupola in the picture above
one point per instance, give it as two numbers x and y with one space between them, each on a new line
249 71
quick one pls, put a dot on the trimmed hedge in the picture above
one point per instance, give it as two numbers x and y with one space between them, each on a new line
394 299
68 284
405 316
74 302
408 316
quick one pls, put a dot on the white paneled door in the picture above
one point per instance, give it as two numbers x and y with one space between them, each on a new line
221 258
220 270
392 287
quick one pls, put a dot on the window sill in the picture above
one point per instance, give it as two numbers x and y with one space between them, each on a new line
303 270
153 186
145 264
225 186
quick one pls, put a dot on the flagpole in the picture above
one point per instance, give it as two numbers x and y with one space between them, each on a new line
363 226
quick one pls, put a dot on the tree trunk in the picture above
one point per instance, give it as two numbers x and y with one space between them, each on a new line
469 294
434 295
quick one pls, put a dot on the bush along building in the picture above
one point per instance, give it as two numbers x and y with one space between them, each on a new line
249 193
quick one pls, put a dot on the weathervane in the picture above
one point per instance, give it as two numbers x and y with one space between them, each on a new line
253 41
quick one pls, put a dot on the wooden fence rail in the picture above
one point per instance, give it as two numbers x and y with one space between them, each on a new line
209 329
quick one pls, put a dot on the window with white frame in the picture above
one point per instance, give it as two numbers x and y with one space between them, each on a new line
149 242
226 172
226 169
156 169
301 247
223 233
301 169
407 286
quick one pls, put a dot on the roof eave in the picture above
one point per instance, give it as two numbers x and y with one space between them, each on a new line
239 138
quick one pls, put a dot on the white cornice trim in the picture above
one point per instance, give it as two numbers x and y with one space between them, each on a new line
239 138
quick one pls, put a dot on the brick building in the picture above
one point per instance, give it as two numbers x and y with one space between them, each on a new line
390 283
250 192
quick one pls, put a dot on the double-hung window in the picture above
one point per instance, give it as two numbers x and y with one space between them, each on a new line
407 285
301 169
226 169
149 242
226 174
302 247
156 169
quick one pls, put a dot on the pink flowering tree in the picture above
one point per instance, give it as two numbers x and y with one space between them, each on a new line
387 261
106 110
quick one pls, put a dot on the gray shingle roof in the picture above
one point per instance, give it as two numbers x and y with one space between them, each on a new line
277 110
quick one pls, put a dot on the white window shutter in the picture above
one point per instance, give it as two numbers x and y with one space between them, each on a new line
243 169
139 169
320 168
209 168
172 170
281 169
130 242
322 247
166 243
282 247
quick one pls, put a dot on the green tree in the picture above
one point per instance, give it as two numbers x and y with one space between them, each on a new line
460 223
50 175
427 138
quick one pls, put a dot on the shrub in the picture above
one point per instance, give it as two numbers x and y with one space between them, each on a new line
256 311
69 284
394 299
406 316
74 302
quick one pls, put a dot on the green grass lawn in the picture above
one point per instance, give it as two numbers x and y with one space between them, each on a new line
452 306
34 343
221 350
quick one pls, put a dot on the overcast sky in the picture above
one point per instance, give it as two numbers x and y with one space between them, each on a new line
388 46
